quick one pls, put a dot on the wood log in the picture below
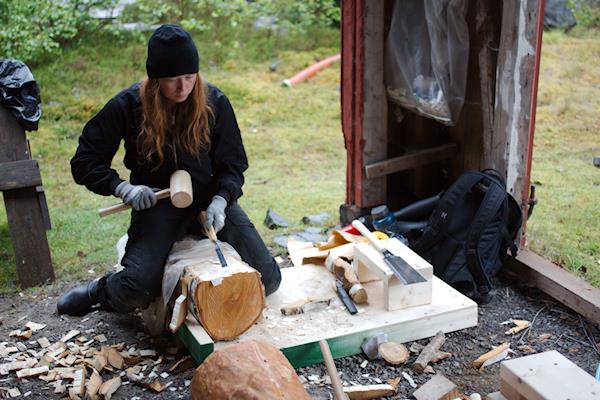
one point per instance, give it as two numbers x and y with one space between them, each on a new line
226 301
344 272
244 371
429 352
394 353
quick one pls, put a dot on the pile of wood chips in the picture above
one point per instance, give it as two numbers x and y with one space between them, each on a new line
73 365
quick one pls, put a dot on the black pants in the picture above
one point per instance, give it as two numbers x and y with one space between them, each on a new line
152 233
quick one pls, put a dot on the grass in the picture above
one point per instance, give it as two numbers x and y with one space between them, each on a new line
565 225
292 136
296 150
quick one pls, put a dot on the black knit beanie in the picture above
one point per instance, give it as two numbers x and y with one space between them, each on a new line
171 52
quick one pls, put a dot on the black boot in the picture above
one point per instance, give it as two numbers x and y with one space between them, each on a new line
79 300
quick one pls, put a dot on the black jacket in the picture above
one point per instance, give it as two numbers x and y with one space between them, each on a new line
218 170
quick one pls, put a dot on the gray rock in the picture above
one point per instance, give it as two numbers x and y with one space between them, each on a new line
316 219
274 220
281 241
597 161
309 237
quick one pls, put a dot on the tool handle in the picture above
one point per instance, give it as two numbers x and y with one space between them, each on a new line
367 233
103 212
209 231
332 371
343 295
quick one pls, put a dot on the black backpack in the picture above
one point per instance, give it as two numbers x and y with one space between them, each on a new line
468 233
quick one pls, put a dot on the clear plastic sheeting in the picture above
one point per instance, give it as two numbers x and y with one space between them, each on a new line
20 93
426 57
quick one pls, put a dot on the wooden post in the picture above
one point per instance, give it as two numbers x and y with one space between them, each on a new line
24 214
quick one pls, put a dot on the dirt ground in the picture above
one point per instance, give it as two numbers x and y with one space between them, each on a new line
553 328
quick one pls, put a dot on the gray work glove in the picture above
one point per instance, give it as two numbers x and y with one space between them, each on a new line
215 213
139 197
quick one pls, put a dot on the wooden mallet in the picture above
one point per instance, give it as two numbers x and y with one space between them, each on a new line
180 191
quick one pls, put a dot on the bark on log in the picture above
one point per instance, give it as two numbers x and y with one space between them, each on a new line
429 352
244 371
226 301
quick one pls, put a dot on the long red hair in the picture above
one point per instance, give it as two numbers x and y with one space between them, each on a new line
191 130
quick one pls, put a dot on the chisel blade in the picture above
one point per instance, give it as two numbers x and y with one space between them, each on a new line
403 270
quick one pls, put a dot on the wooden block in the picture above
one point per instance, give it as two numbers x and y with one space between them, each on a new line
371 266
179 313
437 388
369 391
547 376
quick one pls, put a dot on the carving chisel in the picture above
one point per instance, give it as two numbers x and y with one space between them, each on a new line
403 270
343 295
210 233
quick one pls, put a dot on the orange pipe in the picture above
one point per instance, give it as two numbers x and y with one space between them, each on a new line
311 71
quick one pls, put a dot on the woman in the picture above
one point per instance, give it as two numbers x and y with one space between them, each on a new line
173 120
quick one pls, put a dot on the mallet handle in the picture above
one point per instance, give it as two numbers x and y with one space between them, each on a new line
103 212
367 233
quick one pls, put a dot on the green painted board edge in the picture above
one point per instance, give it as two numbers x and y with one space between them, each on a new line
197 350
341 346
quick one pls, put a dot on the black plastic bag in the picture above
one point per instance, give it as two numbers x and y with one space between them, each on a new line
20 93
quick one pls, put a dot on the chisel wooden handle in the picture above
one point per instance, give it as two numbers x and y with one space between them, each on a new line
367 233
103 212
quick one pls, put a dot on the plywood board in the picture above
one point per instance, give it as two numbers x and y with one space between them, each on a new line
547 376
298 335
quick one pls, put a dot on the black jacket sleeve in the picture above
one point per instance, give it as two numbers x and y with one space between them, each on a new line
228 156
98 143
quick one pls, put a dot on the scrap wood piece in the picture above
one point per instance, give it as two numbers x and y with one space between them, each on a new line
429 352
34 326
31 372
520 325
59 388
437 388
24 335
99 362
394 353
43 342
9 392
179 313
364 392
305 305
492 354
108 388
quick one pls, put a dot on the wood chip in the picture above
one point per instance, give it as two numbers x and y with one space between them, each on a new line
43 342
70 335
441 355
108 388
115 359
520 325
26 334
79 382
34 326
394 353
59 388
100 362
16 365
504 347
51 376
429 369
409 379
527 349
13 392
101 338
148 353
31 372
93 386
184 364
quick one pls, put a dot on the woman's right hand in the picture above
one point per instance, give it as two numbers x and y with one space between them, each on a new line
139 197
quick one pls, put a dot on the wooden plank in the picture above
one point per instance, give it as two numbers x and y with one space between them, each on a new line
411 160
516 73
570 290
12 136
19 174
298 336
547 376
374 117
26 227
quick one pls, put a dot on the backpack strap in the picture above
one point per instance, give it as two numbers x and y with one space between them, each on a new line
494 200
443 214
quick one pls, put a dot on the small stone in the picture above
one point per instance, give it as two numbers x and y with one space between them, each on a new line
316 219
281 241
274 220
